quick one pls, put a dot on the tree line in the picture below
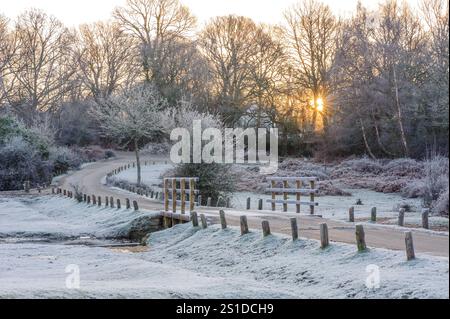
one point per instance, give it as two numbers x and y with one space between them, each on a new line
375 83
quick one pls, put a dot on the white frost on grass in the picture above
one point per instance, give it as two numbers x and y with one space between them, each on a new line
183 262
57 217
151 174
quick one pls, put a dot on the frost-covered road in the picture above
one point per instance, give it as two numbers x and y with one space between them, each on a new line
91 176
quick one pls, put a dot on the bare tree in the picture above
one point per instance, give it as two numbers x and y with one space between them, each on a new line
107 58
156 24
227 43
6 52
133 117
435 13
268 68
400 41
42 67
311 31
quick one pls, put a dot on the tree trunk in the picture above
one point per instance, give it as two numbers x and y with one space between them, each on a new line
285 142
399 116
377 132
138 161
366 143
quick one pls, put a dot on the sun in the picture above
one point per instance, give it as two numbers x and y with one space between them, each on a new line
319 104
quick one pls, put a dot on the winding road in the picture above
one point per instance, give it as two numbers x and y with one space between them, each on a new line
90 179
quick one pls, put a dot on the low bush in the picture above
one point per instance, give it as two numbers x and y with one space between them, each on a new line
298 167
124 184
436 181
215 180
64 159
21 161
363 165
156 149
440 206
404 167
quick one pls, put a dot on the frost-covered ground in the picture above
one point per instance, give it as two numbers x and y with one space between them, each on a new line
187 262
151 174
333 207
56 218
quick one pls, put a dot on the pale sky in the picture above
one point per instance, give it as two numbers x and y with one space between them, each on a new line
75 12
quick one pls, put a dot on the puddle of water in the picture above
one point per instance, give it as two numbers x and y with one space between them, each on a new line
81 241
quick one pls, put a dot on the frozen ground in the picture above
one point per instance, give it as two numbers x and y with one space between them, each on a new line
56 218
187 262
333 207
151 174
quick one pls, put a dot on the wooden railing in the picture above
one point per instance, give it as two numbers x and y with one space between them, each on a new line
179 190
298 190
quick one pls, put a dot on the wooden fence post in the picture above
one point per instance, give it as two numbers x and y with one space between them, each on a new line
26 186
84 197
248 202
166 194
223 220
194 219
410 255
285 196
89 199
111 202
174 195
203 219
298 198
244 225
168 222
425 222
265 228
119 206
273 206
191 194
127 203
99 201
401 217
294 228
106 201
135 205
373 214
312 185
324 241
183 195
260 204
360 238
351 214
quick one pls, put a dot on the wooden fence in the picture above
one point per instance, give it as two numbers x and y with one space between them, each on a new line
173 217
298 190
179 190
